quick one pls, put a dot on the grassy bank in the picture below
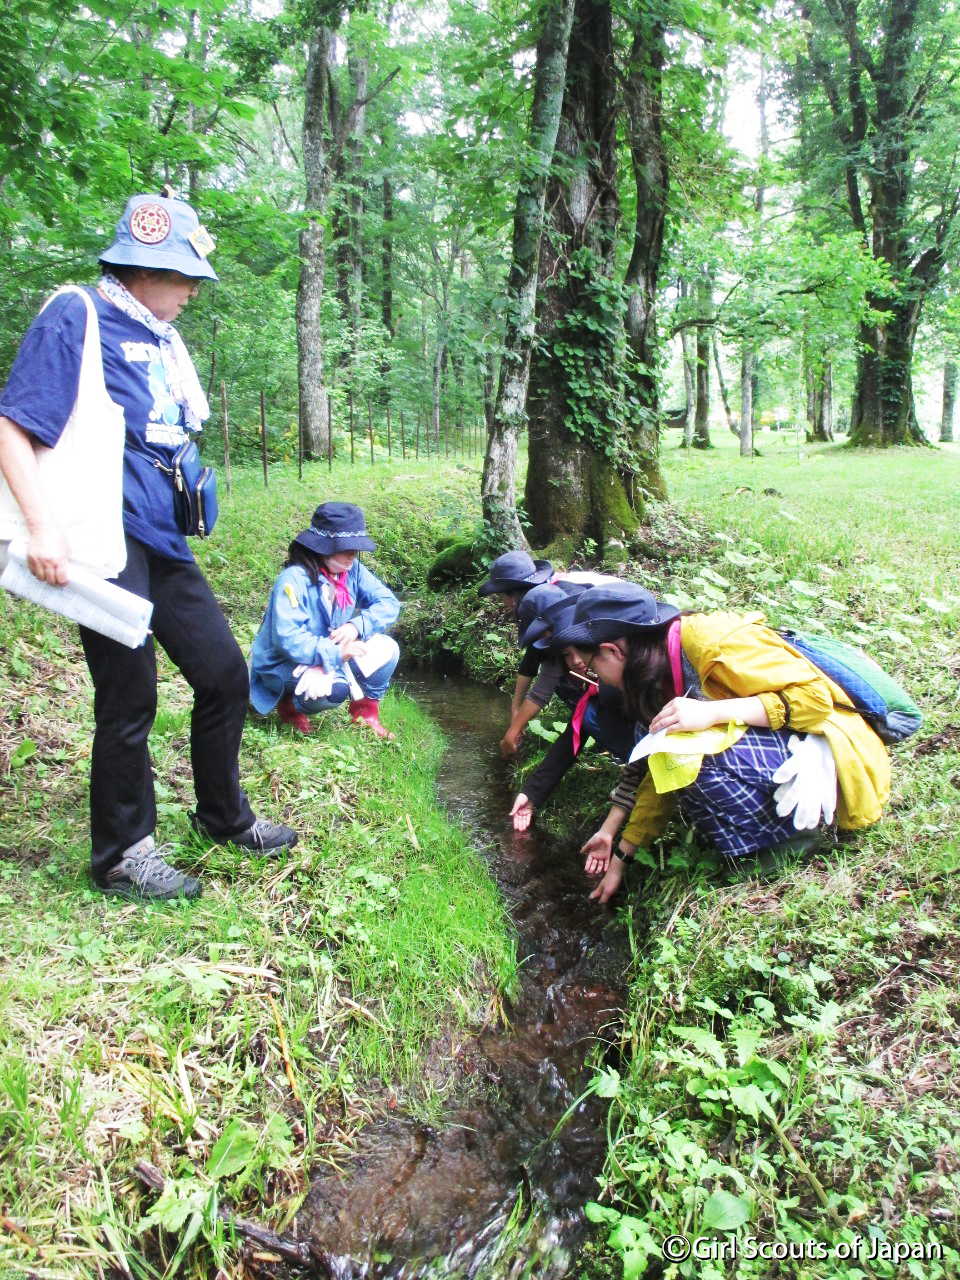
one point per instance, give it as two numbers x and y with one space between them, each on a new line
791 1041
239 1041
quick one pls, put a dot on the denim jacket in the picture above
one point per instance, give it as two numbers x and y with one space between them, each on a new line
297 625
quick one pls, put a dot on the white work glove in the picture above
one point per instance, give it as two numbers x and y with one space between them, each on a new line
314 683
808 782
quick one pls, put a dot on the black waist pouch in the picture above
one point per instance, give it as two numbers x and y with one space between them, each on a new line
194 492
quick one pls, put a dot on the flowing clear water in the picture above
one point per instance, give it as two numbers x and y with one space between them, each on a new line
422 1200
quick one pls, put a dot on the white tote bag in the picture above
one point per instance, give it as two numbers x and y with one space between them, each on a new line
82 475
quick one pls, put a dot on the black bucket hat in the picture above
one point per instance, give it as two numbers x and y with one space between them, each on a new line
609 612
541 607
516 571
336 526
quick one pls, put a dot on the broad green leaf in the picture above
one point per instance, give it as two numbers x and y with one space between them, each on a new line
235 1151
938 606
803 588
724 1212
24 752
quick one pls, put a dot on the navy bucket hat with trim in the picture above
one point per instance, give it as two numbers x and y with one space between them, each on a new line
162 234
336 526
541 608
609 612
515 571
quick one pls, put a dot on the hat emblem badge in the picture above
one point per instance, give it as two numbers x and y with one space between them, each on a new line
150 223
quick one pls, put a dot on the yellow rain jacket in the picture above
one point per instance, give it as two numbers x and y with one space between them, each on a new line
737 656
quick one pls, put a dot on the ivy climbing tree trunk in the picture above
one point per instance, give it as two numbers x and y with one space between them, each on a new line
498 487
583 423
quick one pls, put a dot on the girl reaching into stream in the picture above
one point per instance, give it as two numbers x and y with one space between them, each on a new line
782 750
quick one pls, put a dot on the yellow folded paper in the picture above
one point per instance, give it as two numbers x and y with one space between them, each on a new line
679 763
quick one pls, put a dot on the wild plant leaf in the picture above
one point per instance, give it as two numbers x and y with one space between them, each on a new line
713 593
724 1211
747 1041
712 576
803 588
24 752
736 557
277 1142
607 1083
938 606
235 1152
787 516
679 599
704 1042
750 1100
600 1213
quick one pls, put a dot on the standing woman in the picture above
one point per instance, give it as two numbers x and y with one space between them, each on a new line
322 638
798 755
150 273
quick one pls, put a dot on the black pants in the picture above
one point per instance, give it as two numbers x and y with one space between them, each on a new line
190 627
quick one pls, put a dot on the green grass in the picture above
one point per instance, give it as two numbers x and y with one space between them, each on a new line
791 1054
790 1042
240 1040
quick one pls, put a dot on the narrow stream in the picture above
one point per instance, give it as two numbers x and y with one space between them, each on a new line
420 1201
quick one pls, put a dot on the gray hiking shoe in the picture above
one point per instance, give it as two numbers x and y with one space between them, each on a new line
143 873
264 838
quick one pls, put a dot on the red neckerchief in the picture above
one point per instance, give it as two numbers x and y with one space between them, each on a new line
578 714
343 598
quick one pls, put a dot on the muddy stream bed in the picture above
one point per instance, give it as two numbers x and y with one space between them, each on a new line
420 1200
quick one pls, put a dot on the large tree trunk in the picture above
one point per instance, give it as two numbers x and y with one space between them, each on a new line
577 430
746 401
950 373
701 430
883 411
498 488
313 390
643 99
386 284
348 212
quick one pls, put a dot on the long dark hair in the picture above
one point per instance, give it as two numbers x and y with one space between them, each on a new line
647 674
311 561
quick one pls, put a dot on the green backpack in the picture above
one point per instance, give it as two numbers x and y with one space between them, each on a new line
890 712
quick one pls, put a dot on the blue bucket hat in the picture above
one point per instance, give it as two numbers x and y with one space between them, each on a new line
336 526
609 612
516 571
163 234
541 607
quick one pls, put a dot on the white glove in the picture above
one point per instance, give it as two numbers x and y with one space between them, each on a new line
314 683
808 782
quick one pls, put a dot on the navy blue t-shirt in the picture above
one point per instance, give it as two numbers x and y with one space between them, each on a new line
42 388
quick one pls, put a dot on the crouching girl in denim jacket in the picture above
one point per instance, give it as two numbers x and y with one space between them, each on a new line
322 638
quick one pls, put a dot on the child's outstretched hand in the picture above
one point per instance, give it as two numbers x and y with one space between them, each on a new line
597 849
521 813
610 883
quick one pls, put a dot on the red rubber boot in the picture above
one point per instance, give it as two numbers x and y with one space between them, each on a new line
288 713
367 711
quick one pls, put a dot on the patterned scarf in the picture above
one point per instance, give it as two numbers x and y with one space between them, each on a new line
343 598
181 376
